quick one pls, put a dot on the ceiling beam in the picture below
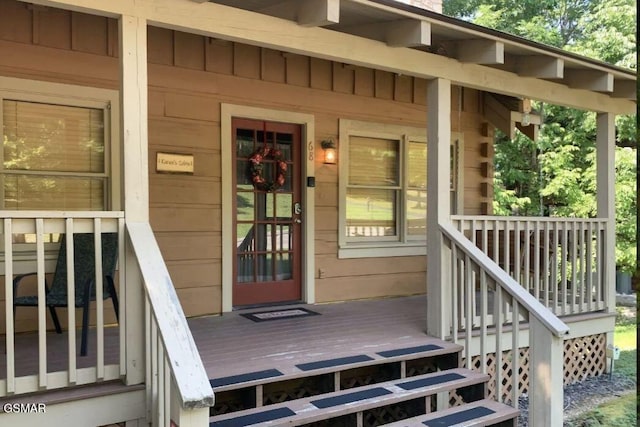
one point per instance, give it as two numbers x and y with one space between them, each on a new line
228 23
488 52
318 13
409 33
542 67
625 89
598 81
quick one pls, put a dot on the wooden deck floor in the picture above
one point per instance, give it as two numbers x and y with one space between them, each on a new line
232 344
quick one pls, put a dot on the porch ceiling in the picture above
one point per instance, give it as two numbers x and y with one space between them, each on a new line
402 25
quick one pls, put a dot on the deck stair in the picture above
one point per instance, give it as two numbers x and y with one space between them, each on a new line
401 386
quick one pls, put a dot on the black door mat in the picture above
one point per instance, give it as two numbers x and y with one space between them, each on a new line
288 313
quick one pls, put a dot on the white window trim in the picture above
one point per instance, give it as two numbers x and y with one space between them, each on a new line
76 96
403 244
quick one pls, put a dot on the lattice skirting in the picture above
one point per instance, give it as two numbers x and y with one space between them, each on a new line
584 357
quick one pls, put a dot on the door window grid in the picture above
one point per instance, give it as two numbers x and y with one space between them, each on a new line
264 244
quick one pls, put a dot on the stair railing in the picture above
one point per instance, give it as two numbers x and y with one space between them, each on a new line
177 385
482 290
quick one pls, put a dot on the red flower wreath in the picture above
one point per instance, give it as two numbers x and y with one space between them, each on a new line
257 169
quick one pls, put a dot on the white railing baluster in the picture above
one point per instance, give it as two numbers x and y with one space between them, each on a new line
469 309
574 266
167 391
147 350
122 300
42 299
546 270
527 257
600 255
484 311
8 307
97 237
517 260
498 349
536 260
589 266
159 358
582 292
563 266
155 387
454 293
71 301
515 353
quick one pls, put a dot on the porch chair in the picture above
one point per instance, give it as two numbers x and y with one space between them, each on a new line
84 274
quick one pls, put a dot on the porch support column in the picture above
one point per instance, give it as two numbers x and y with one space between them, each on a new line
606 205
546 394
438 207
133 93
605 180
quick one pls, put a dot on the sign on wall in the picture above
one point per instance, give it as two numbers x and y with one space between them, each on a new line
174 163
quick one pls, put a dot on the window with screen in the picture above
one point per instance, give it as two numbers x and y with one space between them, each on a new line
383 188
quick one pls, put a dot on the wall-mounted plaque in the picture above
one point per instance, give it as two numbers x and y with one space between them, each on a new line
174 163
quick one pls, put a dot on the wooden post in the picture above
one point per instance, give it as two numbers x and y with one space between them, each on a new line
133 97
546 396
605 179
606 204
438 207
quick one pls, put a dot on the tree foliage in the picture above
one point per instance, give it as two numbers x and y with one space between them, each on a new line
556 175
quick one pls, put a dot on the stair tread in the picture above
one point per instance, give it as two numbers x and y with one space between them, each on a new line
323 364
350 401
467 415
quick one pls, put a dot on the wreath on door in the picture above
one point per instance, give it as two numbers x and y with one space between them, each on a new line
257 169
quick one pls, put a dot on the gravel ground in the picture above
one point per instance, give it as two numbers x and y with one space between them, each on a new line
586 395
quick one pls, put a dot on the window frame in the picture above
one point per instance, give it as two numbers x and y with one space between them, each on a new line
106 100
402 244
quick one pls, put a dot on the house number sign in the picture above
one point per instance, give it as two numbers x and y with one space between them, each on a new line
174 163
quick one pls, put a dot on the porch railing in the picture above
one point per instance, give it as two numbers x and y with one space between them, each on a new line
560 261
177 385
482 290
29 246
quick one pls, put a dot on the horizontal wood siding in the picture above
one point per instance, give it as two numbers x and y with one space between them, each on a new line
189 77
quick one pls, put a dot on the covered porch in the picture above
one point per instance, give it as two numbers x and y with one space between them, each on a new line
480 289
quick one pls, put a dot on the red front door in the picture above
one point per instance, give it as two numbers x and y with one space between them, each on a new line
267 212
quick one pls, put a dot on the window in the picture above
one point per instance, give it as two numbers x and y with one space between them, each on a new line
53 157
56 152
383 189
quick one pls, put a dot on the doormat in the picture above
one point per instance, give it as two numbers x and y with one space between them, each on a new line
264 316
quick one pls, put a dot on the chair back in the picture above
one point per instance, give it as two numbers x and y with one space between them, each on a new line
84 264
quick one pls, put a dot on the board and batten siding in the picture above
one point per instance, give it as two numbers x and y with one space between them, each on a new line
190 76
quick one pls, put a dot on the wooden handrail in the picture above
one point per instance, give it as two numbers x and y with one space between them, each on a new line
182 354
506 282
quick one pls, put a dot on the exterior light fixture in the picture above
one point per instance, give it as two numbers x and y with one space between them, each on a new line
329 148
526 119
